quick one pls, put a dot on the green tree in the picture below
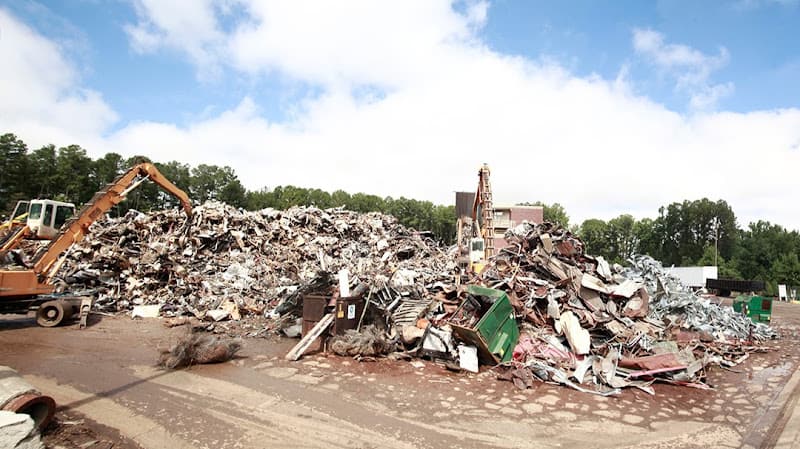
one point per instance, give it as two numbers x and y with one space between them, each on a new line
444 224
554 213
786 269
648 240
144 198
319 198
42 173
233 193
361 202
725 269
594 233
106 169
259 199
683 230
340 198
288 196
763 250
13 172
74 175
178 174
211 182
622 237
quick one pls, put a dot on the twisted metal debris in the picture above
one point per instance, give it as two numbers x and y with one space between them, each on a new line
585 323
229 259
598 327
673 302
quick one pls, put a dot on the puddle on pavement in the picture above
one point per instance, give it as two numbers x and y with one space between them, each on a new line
762 377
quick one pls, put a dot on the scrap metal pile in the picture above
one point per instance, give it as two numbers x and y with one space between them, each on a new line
598 328
560 315
227 262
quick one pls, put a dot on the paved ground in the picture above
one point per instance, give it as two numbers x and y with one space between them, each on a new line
109 393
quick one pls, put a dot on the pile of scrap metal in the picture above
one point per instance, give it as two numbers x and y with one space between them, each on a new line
598 327
542 308
227 262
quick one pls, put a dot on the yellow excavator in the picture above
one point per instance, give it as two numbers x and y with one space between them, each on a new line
32 289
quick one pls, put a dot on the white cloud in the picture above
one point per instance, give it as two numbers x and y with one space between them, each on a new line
447 103
691 68
39 88
184 25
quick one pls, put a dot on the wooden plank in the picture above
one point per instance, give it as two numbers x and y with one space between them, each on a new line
309 338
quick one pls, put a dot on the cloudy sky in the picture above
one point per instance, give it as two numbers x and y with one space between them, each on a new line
605 107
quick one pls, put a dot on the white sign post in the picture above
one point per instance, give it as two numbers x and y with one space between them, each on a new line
782 293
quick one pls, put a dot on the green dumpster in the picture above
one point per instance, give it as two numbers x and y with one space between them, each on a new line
496 333
758 308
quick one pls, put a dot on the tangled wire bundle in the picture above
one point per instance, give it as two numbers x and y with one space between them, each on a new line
369 342
198 349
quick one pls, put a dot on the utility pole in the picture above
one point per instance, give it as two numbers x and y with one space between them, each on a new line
716 241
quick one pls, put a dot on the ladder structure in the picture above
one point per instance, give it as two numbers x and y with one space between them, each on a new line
487 210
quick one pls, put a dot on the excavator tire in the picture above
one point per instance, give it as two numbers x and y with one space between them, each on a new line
52 313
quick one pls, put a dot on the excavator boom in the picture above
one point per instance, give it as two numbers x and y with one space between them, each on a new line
484 204
36 281
75 229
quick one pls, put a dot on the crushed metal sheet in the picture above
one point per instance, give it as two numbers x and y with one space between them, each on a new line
583 315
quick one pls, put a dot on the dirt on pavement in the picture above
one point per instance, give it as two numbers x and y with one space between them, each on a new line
110 394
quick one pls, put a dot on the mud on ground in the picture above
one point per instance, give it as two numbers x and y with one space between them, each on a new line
109 391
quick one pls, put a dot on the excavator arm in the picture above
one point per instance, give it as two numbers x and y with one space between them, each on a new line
75 229
24 290
483 204
14 230
36 281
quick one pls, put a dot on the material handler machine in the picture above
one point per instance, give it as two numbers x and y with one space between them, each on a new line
475 234
34 219
32 289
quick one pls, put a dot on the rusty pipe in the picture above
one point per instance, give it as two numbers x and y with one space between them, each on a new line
18 396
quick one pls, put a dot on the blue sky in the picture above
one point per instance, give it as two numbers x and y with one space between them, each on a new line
588 37
763 39
338 94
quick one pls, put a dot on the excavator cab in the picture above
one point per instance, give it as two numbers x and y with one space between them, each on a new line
477 253
17 218
33 288
20 210
45 217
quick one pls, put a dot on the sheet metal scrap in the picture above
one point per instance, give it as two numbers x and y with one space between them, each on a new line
598 327
675 303
254 259
586 324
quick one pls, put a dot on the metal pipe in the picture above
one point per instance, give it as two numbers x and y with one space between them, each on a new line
18 396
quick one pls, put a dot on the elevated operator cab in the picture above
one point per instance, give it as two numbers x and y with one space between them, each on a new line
45 217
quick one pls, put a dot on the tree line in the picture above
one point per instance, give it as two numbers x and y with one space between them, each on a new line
69 174
696 233
700 232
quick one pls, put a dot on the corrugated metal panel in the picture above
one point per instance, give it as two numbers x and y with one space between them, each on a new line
464 202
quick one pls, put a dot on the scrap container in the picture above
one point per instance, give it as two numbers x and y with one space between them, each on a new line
758 308
313 310
496 333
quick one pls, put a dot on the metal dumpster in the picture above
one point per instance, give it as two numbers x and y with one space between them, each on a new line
496 333
313 310
758 308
